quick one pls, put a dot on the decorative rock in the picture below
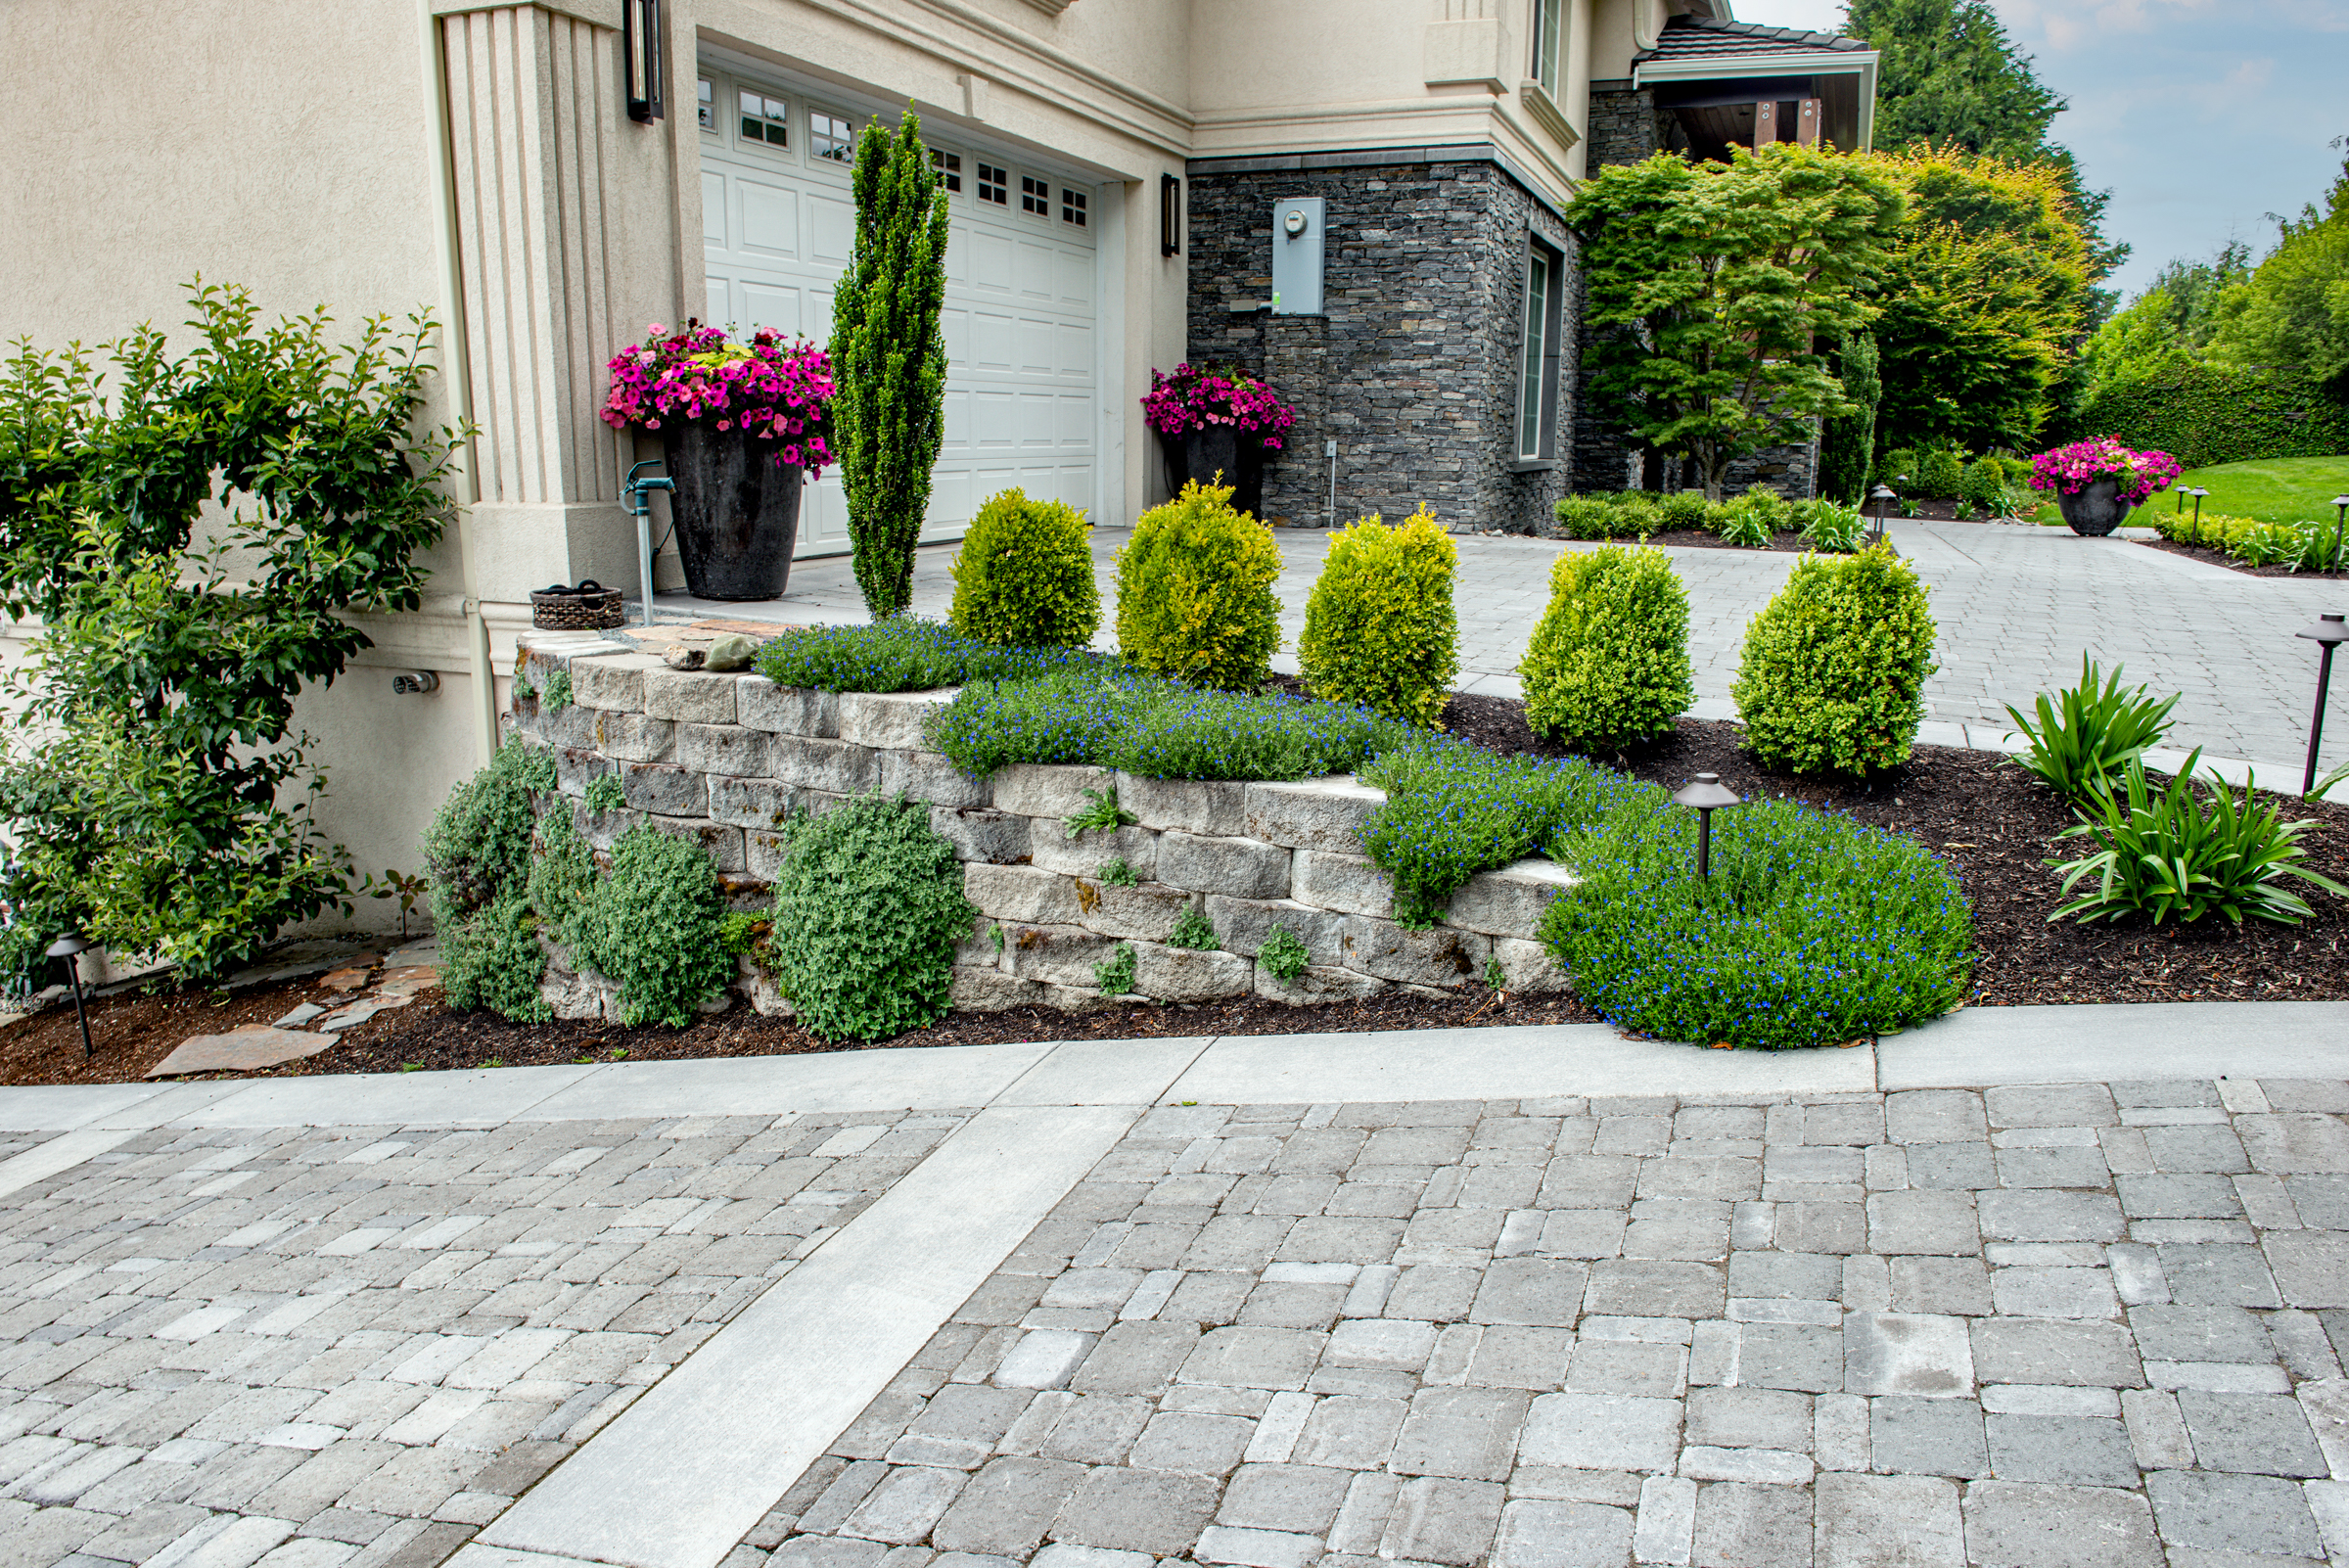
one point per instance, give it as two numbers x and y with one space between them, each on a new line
1051 848
991 990
835 767
692 698
1239 867
928 777
1316 984
748 803
634 738
578 996
761 704
730 651
408 979
1321 813
668 790
300 1016
1347 883
682 657
1243 924
768 1002
612 684
891 720
1508 902
977 834
1527 966
1195 806
1023 893
1187 975
1062 956
724 749
1034 789
351 976
1443 957
1148 910
241 1050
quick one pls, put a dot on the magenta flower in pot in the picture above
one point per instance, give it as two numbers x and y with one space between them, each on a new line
2098 481
1217 420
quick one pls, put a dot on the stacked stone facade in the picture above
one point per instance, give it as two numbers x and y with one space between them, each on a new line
725 759
1413 370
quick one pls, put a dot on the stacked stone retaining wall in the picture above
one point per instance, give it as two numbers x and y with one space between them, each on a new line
725 759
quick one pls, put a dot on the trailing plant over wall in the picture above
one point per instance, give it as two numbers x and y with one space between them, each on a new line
1379 628
889 358
166 807
654 928
478 853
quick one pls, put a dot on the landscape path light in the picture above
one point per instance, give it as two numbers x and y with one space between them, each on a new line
2340 515
1705 793
2326 634
2197 492
1881 494
74 943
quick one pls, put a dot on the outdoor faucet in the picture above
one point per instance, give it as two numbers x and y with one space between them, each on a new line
637 493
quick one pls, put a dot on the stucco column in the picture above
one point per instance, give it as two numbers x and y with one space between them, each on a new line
1578 86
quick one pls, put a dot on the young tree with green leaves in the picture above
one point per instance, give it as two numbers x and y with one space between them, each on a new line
889 358
1713 285
2291 315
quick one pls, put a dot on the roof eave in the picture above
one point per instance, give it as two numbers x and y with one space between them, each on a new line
1777 63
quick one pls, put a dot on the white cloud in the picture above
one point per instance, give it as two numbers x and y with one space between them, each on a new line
1820 16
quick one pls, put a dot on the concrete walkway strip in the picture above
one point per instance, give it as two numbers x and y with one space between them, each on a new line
1106 1071
61 1107
688 1469
894 1078
1987 1046
487 1095
61 1153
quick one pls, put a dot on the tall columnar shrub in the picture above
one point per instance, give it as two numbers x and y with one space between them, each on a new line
868 908
1609 660
1195 592
1379 629
1024 578
889 358
1847 441
1834 666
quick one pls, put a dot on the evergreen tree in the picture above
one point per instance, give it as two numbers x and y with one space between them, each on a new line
889 358
1847 441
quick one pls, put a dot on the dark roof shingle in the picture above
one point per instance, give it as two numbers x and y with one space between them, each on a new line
1688 38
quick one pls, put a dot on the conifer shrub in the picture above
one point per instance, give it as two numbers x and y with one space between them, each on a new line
1609 660
1379 629
1831 677
1024 578
654 927
867 910
1195 593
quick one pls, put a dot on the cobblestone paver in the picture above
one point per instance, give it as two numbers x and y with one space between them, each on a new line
2085 1325
314 1348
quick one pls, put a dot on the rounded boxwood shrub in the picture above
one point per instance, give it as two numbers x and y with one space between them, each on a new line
1833 667
868 908
1609 660
1379 629
654 928
1684 509
1195 593
1024 578
1941 474
1984 485
1585 516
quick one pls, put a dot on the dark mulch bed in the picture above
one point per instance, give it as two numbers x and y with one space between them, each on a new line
2220 558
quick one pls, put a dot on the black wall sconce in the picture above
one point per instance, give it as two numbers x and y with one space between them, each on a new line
642 54
1170 215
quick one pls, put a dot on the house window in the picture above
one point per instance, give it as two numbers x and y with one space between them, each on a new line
994 184
766 120
706 91
1072 207
1036 196
1538 364
831 137
949 169
1549 23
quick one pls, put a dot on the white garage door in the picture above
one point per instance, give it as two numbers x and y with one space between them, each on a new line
777 218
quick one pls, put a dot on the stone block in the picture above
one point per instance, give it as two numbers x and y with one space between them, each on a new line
1022 895
1046 790
1243 924
748 803
1528 967
1193 805
761 704
722 843
602 829
1147 912
835 767
1187 975
665 788
537 665
577 766
1241 868
1924 1355
614 683
1321 813
891 720
763 853
1050 846
689 696
997 838
634 738
1439 957
1602 1432
928 777
1059 955
2069 1526
1508 902
724 749
1345 883
571 727
1314 986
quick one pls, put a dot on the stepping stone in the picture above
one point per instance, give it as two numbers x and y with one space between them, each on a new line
243 1049
406 983
359 1012
298 1016
354 977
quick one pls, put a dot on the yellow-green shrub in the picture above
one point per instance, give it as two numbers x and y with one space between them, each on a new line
1024 578
1609 660
1379 629
1834 665
1195 593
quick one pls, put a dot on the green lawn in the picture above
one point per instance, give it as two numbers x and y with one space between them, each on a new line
2281 490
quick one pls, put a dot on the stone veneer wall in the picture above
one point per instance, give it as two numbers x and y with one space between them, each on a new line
725 758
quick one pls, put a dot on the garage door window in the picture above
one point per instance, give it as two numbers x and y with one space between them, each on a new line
831 137
1036 196
707 94
994 184
765 119
949 169
1072 207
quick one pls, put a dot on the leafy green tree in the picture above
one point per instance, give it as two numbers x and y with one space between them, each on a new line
889 358
1711 284
2291 315
1847 441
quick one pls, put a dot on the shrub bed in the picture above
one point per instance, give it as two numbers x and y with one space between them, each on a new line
904 653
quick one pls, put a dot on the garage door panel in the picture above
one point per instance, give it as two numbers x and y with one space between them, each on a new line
994 421
1035 268
766 304
994 339
1072 277
991 264
1074 429
951 498
1075 484
955 324
959 255
955 440
831 230
770 219
1039 350
714 209
1074 358
1038 427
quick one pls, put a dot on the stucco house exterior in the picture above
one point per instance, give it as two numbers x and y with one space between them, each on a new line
1114 171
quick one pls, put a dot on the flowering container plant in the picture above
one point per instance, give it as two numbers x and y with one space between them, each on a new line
740 424
2098 481
1216 420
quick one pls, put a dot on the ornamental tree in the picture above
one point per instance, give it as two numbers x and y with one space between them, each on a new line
1712 286
889 358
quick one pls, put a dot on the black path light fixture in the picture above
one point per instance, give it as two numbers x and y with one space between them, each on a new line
1880 495
2328 633
1706 794
74 944
645 58
2340 516
2197 492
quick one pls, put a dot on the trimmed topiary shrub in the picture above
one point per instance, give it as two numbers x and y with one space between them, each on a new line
653 928
867 910
1984 487
1609 660
1941 474
1379 629
1195 593
1585 516
1833 667
1684 509
1024 578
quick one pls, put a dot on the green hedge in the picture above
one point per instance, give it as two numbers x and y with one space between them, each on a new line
2203 415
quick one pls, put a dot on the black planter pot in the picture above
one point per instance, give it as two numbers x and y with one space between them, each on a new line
2097 510
737 511
1238 456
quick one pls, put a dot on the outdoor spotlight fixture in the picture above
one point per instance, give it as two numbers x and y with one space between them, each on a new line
74 943
1170 215
2197 492
644 58
1705 793
2328 633
1880 495
2340 515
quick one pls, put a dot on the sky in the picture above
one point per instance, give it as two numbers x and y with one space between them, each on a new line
2201 116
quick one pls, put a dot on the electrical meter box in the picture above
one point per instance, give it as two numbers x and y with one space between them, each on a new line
1299 243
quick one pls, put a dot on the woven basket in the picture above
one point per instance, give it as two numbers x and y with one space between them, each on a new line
589 607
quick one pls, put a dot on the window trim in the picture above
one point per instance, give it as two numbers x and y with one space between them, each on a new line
1546 375
1548 43
818 158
